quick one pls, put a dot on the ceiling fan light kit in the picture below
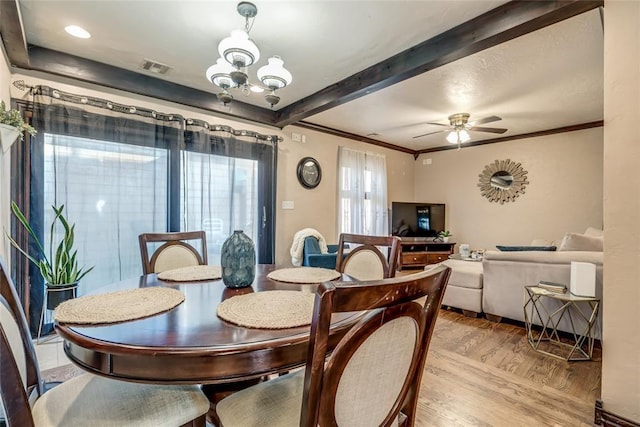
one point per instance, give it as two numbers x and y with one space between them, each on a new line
237 53
459 128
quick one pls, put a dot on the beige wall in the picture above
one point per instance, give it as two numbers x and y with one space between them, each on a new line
317 208
5 161
621 327
312 208
564 191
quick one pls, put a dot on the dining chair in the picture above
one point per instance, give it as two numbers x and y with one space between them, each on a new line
174 250
86 400
371 378
367 261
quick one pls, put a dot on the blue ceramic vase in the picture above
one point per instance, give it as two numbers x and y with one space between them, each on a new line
238 260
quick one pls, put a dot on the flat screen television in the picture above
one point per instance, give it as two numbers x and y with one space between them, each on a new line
413 219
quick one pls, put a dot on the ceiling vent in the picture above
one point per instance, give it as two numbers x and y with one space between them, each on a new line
154 67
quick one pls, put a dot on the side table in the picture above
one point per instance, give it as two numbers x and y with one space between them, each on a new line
573 307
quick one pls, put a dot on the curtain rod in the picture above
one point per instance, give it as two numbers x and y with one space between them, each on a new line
140 111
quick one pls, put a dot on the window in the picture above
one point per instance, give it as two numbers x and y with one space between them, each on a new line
362 197
112 192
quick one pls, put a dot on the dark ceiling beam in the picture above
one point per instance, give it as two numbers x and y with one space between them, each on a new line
65 65
12 33
497 26
349 135
546 132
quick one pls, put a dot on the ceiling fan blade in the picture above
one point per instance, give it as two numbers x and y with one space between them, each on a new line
430 133
491 130
486 120
437 124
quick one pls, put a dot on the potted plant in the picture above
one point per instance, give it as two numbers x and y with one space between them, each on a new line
12 126
444 235
59 268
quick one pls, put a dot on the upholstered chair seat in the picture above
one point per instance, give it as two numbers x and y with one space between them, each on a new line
93 401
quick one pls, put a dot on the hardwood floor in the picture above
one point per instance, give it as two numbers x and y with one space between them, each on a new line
481 373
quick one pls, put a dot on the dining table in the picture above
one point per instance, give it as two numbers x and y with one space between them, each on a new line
190 344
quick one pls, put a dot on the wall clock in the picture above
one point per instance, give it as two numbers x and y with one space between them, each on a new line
309 172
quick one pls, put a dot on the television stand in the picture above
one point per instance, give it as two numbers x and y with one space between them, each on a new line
420 251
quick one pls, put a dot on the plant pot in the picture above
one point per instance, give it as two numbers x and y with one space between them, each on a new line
8 135
445 239
60 293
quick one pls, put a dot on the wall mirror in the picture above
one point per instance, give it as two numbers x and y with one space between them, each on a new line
309 172
503 181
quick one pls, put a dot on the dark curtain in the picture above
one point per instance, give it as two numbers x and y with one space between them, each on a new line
122 170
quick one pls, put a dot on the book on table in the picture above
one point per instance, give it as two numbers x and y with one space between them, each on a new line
553 287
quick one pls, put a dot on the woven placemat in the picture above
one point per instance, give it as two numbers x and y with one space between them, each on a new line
118 306
192 273
268 309
304 275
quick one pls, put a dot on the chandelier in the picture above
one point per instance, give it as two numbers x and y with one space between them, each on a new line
237 53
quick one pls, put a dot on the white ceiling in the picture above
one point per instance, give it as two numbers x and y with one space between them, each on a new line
543 80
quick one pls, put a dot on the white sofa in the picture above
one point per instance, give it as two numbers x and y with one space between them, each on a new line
507 273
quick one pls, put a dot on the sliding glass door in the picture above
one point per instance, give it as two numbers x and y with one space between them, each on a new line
119 176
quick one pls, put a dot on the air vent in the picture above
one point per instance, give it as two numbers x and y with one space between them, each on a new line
154 67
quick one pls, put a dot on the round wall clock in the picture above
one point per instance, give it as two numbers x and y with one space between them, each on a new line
309 172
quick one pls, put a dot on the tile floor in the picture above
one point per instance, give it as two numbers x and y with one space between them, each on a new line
50 353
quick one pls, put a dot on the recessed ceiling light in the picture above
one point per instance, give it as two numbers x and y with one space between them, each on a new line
76 31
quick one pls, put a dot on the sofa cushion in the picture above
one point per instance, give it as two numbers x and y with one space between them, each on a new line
581 242
525 248
465 274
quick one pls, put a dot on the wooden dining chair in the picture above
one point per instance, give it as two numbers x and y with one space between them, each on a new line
371 378
173 250
367 261
86 400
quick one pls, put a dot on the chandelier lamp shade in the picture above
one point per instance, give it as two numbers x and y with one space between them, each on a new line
237 53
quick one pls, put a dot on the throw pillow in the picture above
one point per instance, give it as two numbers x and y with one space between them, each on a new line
580 242
525 248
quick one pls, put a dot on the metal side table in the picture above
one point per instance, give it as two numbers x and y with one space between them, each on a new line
582 313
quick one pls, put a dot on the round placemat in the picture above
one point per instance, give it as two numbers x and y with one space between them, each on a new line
269 309
192 273
304 275
118 306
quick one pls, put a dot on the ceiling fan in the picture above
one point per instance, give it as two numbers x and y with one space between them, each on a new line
459 127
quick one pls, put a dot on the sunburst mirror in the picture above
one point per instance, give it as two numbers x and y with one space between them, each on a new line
503 181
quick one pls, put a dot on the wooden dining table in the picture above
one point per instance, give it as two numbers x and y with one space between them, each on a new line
190 344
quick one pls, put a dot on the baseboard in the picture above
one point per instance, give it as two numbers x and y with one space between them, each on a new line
608 419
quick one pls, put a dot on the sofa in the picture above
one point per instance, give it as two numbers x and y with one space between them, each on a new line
506 273
495 286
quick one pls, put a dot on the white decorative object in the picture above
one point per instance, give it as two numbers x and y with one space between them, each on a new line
583 279
464 250
8 135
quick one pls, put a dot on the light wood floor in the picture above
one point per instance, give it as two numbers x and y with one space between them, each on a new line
481 373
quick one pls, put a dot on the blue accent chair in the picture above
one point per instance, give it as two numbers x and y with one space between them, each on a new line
313 257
